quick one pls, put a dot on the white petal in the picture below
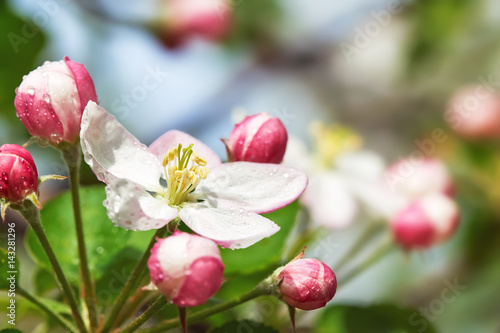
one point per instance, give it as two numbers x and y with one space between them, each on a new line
172 139
227 225
329 201
377 197
364 164
297 155
112 152
257 187
131 207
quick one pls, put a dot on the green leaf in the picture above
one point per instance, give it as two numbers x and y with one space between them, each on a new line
376 318
44 281
103 240
243 326
55 306
8 263
10 330
115 275
266 252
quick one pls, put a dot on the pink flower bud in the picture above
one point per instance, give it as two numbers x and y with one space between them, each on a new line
18 174
474 113
209 19
258 138
307 284
51 99
414 180
426 222
186 268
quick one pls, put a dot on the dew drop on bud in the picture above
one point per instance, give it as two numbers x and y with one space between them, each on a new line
31 91
55 137
46 98
43 142
16 90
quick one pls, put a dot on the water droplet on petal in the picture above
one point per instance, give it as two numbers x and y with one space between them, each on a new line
31 91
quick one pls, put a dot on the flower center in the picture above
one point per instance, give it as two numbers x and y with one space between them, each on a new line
184 170
332 141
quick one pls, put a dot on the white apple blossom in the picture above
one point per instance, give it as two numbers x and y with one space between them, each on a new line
218 201
342 179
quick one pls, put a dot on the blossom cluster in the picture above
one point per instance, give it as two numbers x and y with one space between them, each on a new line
179 183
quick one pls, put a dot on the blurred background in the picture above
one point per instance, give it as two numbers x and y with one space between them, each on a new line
387 69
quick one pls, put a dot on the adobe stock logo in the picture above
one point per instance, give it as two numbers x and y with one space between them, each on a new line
49 9
437 306
371 29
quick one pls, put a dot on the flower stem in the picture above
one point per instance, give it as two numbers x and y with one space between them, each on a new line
385 248
31 213
72 156
368 234
133 305
136 275
261 289
157 305
38 302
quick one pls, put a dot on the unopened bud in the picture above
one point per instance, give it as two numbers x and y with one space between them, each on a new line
18 174
306 284
186 268
184 19
259 138
426 222
51 99
414 180
474 112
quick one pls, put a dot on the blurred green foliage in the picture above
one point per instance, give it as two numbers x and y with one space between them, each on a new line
375 318
20 44
243 326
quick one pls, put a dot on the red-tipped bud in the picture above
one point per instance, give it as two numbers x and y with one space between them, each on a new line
306 284
426 222
51 99
209 19
186 268
474 112
414 180
258 138
18 174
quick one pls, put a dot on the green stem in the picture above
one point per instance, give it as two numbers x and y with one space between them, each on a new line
72 156
262 289
133 305
368 234
32 215
384 249
136 275
38 302
158 304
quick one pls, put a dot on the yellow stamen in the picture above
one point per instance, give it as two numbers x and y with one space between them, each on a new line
332 141
184 169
